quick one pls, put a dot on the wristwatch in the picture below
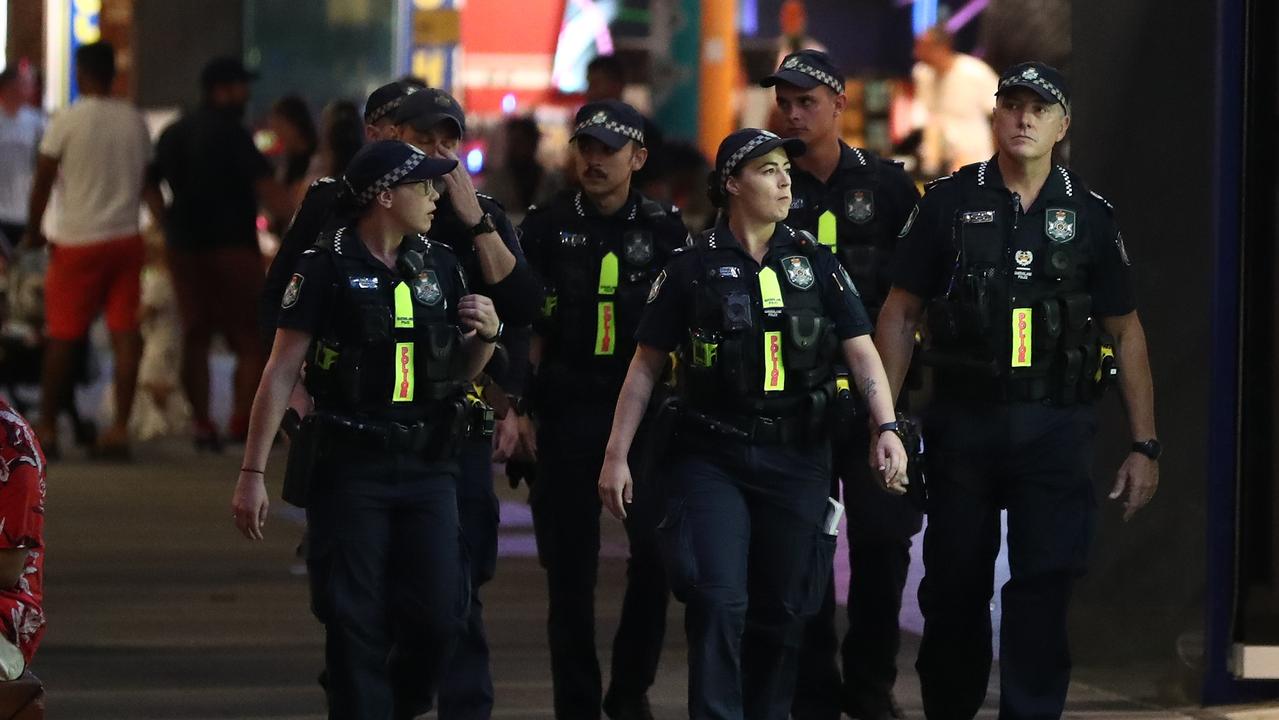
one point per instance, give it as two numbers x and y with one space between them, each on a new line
485 225
1150 448
496 336
892 427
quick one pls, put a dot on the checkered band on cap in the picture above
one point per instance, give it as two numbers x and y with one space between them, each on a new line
1030 76
820 76
601 119
391 178
386 109
736 158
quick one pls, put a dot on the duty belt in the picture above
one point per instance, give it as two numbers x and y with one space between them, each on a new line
395 437
757 430
959 386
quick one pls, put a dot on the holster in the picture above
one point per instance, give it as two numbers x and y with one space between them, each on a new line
912 439
305 446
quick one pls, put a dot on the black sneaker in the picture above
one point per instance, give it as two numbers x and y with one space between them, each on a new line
632 708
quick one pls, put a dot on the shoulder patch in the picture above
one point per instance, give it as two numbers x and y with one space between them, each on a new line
656 288
292 292
910 222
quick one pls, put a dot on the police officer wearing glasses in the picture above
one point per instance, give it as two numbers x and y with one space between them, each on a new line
758 313
1018 275
854 203
598 249
389 333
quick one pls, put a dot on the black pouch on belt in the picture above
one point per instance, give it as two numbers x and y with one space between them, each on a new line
304 452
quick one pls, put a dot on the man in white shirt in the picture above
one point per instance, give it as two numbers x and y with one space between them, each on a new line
97 150
952 104
20 129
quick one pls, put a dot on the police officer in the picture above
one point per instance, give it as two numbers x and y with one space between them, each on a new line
854 203
389 333
316 209
1023 279
476 228
759 313
597 249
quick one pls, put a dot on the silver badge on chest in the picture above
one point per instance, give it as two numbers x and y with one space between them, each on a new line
799 272
859 205
637 247
426 288
1059 225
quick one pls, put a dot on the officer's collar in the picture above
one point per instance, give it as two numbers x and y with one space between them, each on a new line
347 243
583 206
852 158
722 238
1058 185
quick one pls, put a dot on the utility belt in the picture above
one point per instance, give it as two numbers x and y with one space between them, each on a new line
775 421
433 439
1076 376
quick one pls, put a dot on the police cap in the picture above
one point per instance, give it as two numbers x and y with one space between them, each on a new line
384 164
1046 81
424 109
807 69
612 122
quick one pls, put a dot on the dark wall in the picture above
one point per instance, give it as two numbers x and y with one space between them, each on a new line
174 39
1144 74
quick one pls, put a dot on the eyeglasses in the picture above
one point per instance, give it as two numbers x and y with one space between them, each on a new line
421 186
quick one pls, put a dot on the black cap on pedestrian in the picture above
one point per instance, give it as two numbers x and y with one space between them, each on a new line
743 145
384 164
225 71
1045 80
384 101
807 69
612 122
427 108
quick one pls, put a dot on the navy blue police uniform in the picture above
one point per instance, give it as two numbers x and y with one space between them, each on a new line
749 473
1015 298
858 213
384 551
597 270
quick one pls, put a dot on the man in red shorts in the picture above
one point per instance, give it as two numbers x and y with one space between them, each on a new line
92 162
22 485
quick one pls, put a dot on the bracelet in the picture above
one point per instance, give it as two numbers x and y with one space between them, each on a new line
251 470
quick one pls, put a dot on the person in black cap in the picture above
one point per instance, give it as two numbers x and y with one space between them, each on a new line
597 249
476 227
1022 277
758 313
389 334
854 203
218 181
317 206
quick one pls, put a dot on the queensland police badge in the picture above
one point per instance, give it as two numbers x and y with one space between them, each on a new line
859 205
799 272
637 247
1059 225
426 288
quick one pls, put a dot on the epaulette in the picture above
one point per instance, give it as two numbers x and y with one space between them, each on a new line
323 181
652 209
331 240
1103 200
898 163
805 240
930 185
536 209
491 199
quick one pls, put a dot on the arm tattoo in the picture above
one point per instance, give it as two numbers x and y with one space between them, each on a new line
868 389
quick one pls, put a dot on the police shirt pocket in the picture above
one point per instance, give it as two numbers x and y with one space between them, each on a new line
675 546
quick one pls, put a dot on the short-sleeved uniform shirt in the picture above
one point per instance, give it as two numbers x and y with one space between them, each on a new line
310 301
858 213
211 164
926 260
312 217
22 489
668 316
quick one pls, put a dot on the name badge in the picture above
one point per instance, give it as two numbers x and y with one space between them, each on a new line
977 217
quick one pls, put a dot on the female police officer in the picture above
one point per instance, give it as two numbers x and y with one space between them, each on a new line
758 312
382 318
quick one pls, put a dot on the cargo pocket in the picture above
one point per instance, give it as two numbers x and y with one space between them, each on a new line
462 609
812 587
675 545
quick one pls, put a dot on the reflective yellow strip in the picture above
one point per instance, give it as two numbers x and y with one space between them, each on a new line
403 306
608 274
826 229
548 306
1023 329
770 293
403 390
774 366
605 329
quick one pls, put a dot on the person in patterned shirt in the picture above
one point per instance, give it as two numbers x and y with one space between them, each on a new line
22 487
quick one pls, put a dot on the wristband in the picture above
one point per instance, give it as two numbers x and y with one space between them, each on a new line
251 470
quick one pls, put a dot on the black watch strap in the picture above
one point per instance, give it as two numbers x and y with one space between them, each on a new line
1150 448
496 336
485 225
893 427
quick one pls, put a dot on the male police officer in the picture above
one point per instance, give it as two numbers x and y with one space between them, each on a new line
1024 280
854 203
598 250
486 244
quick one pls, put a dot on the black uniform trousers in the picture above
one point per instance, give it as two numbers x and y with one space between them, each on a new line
467 692
745 551
880 527
1034 460
387 574
566 520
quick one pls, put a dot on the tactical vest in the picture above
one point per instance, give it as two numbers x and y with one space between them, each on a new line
761 343
597 287
386 348
853 227
1018 309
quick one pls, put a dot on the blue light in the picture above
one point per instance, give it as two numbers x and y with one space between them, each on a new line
923 15
508 103
748 17
475 161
